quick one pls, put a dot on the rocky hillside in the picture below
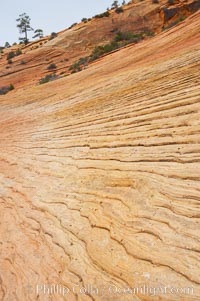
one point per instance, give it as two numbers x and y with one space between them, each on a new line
143 18
99 175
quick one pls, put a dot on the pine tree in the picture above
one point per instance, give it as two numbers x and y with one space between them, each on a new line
38 33
115 4
24 26
7 45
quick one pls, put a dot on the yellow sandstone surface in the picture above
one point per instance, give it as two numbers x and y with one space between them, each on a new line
99 178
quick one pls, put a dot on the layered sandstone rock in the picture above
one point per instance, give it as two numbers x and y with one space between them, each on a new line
80 40
99 178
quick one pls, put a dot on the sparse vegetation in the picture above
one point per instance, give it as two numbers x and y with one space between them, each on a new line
121 39
53 36
10 55
74 24
170 2
51 67
119 10
101 50
129 37
149 33
22 62
76 67
155 1
6 89
18 52
11 87
105 14
84 20
180 19
48 78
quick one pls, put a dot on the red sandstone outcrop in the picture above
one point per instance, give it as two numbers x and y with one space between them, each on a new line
80 40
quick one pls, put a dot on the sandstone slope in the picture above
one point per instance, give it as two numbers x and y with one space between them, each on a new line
99 176
81 39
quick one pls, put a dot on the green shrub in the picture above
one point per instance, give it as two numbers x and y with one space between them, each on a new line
53 36
76 67
47 78
84 20
11 87
10 62
128 36
170 2
18 52
51 67
180 19
119 36
10 55
105 14
22 62
3 90
119 10
101 50
149 33
72 25
6 89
